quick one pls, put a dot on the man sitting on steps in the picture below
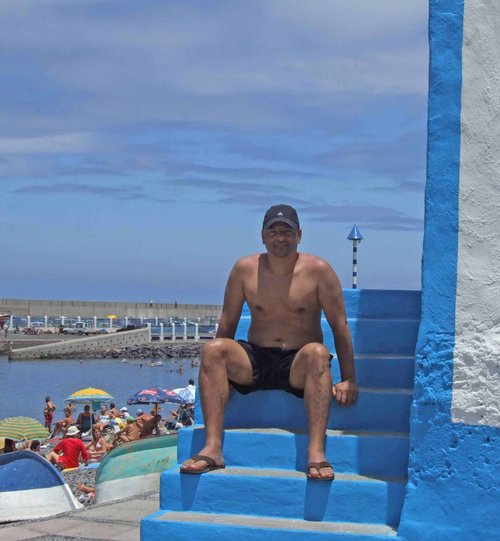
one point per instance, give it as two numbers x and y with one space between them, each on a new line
286 292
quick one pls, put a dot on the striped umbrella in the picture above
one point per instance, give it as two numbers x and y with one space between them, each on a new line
91 394
22 428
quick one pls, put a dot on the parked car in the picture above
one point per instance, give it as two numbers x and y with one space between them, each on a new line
81 328
127 328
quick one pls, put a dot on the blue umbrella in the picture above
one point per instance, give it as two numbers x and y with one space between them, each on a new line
155 395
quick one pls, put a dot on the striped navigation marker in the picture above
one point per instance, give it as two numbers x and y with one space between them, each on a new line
356 237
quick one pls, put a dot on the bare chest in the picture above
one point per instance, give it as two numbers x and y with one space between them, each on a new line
269 295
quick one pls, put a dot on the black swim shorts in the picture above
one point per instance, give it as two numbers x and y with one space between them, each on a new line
271 369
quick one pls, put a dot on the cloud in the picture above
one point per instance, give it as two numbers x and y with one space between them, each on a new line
122 192
58 143
262 66
243 172
255 196
241 102
375 217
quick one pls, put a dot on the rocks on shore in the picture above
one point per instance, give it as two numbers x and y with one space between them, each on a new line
144 351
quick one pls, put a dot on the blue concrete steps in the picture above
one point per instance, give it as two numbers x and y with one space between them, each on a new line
384 336
286 494
363 452
263 492
381 371
376 409
214 527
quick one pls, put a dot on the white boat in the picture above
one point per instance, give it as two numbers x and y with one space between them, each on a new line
31 488
134 467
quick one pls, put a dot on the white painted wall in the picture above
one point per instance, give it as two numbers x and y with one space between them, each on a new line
476 377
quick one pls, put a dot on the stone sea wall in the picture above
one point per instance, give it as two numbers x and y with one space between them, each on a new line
159 350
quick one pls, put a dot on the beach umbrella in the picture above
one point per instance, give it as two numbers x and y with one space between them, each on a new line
174 397
91 396
88 395
22 428
155 395
188 394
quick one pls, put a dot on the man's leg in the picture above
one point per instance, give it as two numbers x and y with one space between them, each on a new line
52 457
310 371
57 429
222 359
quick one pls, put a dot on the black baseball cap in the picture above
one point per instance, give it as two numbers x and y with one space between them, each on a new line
281 213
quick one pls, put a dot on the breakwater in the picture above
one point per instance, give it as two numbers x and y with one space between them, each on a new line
83 346
144 351
91 309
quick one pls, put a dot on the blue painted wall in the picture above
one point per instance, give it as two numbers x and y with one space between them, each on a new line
454 473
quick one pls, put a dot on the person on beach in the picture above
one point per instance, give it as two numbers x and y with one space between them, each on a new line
131 432
48 413
113 410
286 292
125 414
9 446
63 425
69 451
85 420
104 417
98 447
88 495
36 447
148 423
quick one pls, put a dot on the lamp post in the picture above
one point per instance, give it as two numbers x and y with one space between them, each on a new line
356 237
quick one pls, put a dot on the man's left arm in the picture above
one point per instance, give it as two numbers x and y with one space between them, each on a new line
332 303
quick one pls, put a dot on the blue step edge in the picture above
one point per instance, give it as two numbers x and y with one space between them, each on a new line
376 409
363 452
157 528
284 494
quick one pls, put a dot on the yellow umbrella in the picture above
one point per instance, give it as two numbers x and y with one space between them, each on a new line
22 428
91 394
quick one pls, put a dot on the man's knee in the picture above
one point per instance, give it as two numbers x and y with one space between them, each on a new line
316 355
216 350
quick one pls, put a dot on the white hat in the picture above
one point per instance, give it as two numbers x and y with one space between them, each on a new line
72 431
124 409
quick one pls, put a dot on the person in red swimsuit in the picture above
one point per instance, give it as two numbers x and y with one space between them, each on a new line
48 413
72 449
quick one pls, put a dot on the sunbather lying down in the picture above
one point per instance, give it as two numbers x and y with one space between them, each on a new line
286 292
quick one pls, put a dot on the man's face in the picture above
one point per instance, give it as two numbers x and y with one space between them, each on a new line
281 239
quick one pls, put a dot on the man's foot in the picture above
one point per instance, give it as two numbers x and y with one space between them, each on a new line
199 464
320 471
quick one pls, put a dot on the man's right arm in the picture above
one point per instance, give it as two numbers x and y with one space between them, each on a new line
234 297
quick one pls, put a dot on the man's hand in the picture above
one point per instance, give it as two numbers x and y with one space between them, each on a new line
345 392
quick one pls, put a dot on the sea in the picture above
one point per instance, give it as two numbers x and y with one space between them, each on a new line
24 384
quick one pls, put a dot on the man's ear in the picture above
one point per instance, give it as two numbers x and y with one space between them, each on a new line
300 235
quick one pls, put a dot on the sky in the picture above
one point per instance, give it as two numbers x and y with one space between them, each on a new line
142 142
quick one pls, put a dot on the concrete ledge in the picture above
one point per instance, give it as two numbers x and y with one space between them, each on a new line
82 345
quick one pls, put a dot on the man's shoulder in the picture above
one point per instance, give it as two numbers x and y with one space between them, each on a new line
247 263
314 262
